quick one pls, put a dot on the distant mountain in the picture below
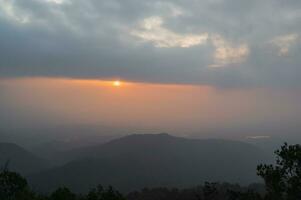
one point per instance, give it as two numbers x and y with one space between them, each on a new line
20 160
59 152
138 161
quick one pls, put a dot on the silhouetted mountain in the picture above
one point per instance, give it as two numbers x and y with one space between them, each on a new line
20 160
138 161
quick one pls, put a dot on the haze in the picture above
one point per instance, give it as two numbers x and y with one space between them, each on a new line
185 66
150 94
177 108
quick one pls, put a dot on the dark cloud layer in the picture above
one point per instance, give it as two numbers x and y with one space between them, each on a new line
222 43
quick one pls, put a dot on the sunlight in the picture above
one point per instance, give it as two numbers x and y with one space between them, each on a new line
116 83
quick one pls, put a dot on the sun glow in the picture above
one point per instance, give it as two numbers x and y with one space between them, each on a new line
116 83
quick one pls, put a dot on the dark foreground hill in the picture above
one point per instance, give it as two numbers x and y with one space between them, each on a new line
20 160
138 161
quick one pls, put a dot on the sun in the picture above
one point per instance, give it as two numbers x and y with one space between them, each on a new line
116 83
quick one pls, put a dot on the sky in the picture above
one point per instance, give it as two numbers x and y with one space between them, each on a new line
184 66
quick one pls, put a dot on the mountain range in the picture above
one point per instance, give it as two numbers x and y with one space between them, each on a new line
153 160
18 159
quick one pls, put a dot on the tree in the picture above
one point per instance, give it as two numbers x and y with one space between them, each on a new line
210 191
249 195
62 193
100 193
283 180
11 184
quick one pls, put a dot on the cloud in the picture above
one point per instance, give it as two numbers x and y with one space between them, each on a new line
258 137
57 1
284 42
11 13
152 30
157 41
226 53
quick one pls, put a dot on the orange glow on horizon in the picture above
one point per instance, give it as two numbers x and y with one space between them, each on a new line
137 104
117 83
49 82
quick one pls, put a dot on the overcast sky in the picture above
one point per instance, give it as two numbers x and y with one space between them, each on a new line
252 47
215 42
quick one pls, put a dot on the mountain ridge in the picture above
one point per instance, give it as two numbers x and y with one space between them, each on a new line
152 160
20 159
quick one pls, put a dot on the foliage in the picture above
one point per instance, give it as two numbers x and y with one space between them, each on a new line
62 193
101 193
12 185
283 181
210 191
